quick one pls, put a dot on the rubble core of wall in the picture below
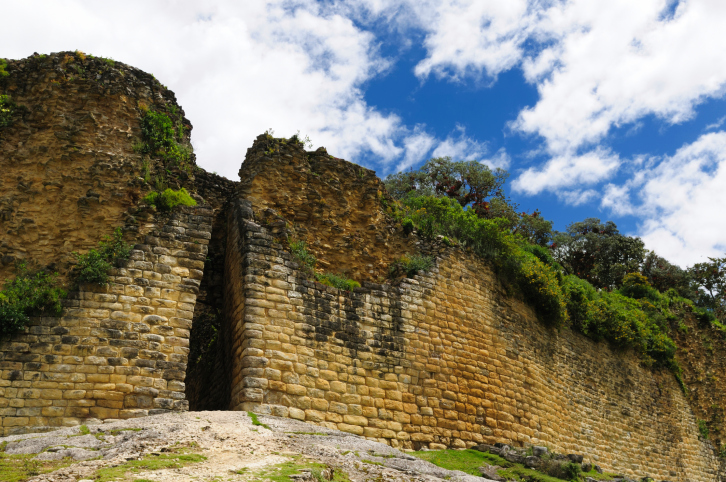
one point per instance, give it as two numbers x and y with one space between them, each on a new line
444 360
118 350
338 208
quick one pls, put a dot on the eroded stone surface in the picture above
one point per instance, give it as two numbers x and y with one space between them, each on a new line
230 442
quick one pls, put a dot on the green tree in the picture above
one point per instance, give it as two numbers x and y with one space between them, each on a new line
473 185
664 276
711 280
597 252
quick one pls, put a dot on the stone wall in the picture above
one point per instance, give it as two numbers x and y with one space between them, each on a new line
118 351
445 360
341 210
68 162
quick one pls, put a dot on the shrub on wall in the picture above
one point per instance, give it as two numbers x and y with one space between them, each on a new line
27 295
93 266
7 109
162 138
168 199
491 239
410 265
636 316
337 281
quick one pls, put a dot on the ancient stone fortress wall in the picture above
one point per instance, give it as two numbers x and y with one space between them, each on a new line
444 360
118 351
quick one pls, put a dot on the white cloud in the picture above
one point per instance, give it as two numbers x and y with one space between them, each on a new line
577 197
596 65
237 68
500 159
719 122
417 144
467 36
460 147
615 62
681 202
565 171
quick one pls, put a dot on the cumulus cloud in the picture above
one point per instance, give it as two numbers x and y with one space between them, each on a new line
596 65
577 197
499 159
681 201
459 146
417 145
238 68
615 62
565 171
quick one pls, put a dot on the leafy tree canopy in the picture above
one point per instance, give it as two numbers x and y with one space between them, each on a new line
597 252
473 185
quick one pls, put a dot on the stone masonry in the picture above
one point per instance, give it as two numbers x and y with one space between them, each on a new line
444 360
118 351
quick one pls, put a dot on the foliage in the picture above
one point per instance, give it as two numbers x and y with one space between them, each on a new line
467 461
636 317
3 68
410 265
285 471
490 239
300 251
468 182
579 294
93 266
337 281
664 276
710 278
471 184
7 109
162 138
26 295
597 252
21 467
255 421
148 462
703 428
637 286
297 138
169 199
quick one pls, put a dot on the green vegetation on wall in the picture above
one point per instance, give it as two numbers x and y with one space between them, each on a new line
27 295
587 278
300 251
40 293
7 109
163 138
410 265
168 199
93 266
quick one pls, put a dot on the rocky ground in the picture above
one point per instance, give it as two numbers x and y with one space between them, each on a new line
206 446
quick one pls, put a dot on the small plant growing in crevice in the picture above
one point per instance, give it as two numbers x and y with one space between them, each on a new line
29 294
410 265
337 281
703 428
169 199
300 251
93 266
163 138
7 109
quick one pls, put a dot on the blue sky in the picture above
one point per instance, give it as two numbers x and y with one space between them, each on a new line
597 108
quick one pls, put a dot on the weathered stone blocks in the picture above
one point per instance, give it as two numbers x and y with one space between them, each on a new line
119 350
437 362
